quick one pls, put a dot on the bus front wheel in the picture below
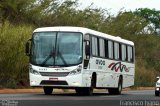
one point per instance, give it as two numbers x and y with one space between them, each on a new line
87 90
156 93
84 91
117 90
79 91
48 90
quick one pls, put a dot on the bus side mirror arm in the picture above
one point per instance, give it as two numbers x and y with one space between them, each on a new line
27 48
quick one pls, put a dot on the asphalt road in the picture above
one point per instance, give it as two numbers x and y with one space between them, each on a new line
128 98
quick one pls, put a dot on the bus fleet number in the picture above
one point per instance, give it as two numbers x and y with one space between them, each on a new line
100 62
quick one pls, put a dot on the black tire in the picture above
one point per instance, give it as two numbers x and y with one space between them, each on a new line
116 91
87 90
79 91
111 91
48 90
84 91
119 89
156 93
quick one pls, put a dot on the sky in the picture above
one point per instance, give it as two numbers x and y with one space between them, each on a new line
115 5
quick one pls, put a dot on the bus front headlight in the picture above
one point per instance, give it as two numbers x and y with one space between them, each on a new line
76 71
34 71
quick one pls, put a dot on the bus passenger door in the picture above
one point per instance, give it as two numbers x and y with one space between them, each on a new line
86 52
86 62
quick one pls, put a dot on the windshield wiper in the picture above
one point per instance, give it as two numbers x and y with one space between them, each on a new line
60 54
52 54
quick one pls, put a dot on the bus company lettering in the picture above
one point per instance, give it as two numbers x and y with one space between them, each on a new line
118 66
100 62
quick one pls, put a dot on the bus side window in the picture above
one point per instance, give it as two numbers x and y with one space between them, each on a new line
94 46
130 53
110 49
124 56
101 47
116 50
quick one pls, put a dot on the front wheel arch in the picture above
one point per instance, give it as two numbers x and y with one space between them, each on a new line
117 90
120 80
93 80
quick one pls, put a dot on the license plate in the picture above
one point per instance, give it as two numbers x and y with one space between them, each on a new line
53 79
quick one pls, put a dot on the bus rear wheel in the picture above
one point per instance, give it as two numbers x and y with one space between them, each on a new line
48 90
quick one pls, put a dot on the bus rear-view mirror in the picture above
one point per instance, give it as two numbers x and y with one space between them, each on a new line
27 48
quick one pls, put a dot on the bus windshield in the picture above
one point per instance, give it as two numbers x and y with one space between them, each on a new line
56 48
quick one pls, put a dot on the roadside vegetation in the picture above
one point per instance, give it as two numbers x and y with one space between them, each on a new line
18 18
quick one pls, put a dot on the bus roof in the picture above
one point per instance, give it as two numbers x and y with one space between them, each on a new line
84 31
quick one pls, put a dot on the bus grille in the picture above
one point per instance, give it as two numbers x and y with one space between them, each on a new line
53 83
55 74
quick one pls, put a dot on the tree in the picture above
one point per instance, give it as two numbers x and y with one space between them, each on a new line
13 10
125 24
151 16
23 11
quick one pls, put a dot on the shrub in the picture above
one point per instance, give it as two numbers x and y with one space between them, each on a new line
144 76
13 62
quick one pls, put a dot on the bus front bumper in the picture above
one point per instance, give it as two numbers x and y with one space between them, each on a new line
68 81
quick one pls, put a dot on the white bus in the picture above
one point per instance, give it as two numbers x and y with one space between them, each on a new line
79 58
